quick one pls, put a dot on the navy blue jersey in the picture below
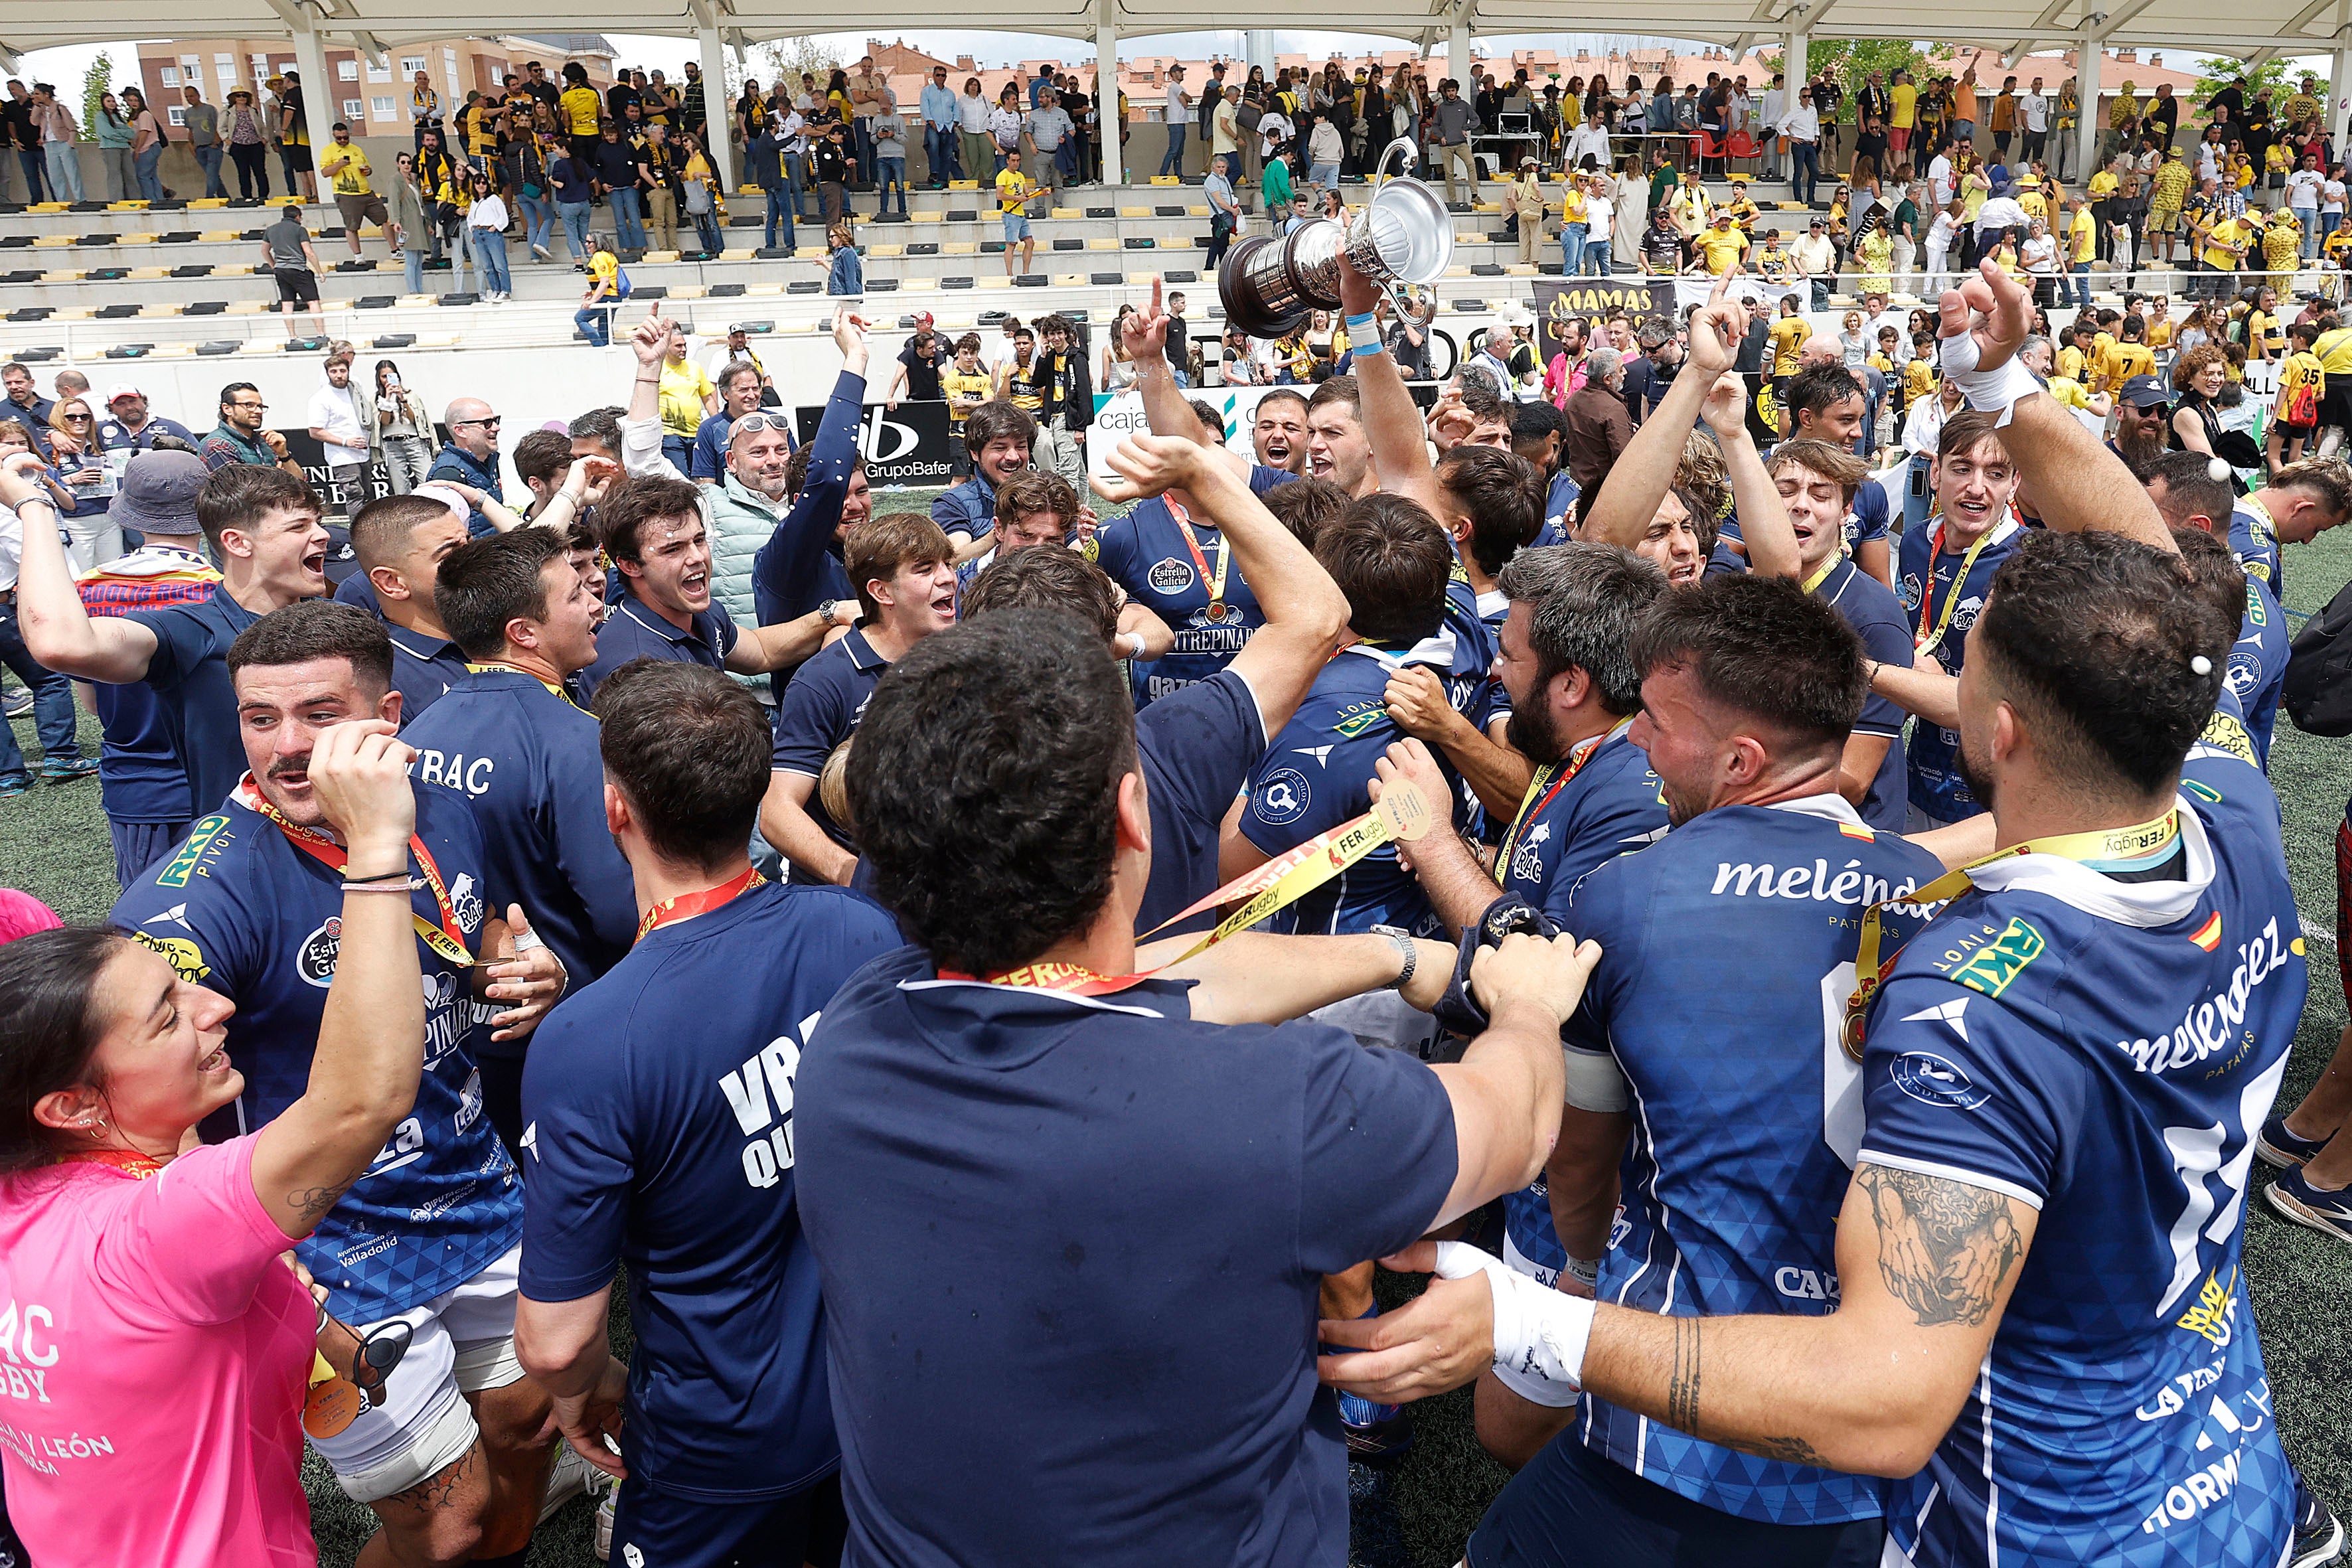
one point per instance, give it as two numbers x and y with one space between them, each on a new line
1611 804
140 776
2257 669
1001 1231
1926 581
2105 1052
634 629
1198 746
661 1096
194 698
1315 776
819 709
239 908
1471 688
1559 500
2253 540
1150 554
1741 1151
423 667
969 508
1870 608
526 761
1869 520
800 565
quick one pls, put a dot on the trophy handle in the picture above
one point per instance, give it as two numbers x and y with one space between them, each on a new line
1380 170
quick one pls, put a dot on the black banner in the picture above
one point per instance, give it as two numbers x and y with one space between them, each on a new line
1643 299
908 445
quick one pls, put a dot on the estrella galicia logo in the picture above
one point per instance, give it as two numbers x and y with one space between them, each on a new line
1170 575
1283 797
315 961
1931 1080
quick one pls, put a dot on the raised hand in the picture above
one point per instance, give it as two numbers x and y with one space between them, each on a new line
1144 332
359 774
1146 466
1992 309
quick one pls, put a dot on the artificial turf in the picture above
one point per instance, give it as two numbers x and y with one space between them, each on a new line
1417 1512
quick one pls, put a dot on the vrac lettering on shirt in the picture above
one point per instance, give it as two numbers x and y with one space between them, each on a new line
2211 1026
1848 885
456 770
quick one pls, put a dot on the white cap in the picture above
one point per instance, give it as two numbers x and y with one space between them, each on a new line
120 389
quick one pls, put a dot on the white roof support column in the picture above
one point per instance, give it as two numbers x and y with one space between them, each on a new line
1457 50
1108 125
322 101
719 116
2092 54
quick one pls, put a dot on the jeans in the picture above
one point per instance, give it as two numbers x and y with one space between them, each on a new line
210 159
891 171
28 161
2307 219
1172 162
795 173
65 172
1571 249
1596 258
286 163
412 264
490 256
575 227
781 206
53 705
1804 170
938 153
2081 271
145 164
252 171
463 256
628 220
706 228
596 320
862 137
537 220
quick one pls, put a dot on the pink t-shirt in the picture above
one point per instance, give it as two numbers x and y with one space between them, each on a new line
154 1358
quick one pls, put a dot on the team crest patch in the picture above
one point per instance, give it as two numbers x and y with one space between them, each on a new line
2000 961
176 872
1930 1080
467 903
185 958
1284 797
1170 575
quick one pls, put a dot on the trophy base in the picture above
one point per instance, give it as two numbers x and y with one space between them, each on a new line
1247 313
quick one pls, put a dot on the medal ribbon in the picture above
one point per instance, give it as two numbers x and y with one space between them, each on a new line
686 906
1926 640
137 1166
1828 566
1216 586
447 939
1530 807
1401 813
2107 843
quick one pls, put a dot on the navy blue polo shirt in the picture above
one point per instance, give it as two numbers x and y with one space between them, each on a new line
1152 556
1016 1198
800 565
195 699
2256 674
1877 616
1929 586
1198 745
659 1097
1315 776
1558 501
636 630
526 761
820 709
423 667
456 463
969 508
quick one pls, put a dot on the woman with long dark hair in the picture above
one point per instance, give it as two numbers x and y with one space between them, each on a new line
402 430
168 1334
112 129
146 143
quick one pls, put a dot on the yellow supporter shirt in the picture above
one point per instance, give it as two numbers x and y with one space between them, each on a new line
2083 237
351 175
2170 187
581 105
1918 380
2335 352
2071 362
683 388
2121 363
1787 334
964 391
2068 391
1014 190
1907 106
2299 369
2222 242
1721 247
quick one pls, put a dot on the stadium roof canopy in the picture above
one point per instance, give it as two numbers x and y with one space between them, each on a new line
2263 27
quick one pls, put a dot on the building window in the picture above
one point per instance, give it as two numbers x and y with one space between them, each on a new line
170 75
449 68
379 72
179 115
347 70
380 108
354 110
411 64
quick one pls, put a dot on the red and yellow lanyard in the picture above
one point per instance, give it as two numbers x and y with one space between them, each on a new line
686 906
447 939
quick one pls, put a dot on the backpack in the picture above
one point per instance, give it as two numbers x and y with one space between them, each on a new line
2302 405
622 287
2318 693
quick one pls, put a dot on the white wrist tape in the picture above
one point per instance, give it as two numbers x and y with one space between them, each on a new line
1985 390
1539 1334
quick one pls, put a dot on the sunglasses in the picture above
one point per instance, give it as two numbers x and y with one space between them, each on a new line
491 422
752 424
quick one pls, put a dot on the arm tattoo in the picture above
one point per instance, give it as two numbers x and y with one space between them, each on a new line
1682 1388
1944 1247
311 1204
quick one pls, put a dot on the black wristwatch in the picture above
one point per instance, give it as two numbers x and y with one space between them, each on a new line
825 609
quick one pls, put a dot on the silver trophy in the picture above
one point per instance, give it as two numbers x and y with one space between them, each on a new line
1404 238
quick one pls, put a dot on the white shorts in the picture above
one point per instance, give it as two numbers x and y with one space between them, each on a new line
1595 1082
464 1344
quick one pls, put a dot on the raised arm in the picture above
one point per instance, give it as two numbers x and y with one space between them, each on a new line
1392 423
1165 407
640 427
785 645
1764 525
371 1046
2080 484
789 558
58 631
1621 513
1304 611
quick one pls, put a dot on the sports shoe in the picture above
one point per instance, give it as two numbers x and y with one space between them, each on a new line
605 1512
2318 1533
68 770
14 787
2284 1149
1376 1433
2295 1198
541 252
572 1476
19 702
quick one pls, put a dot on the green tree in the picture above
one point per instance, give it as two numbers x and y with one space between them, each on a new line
784 60
2213 75
95 83
1850 61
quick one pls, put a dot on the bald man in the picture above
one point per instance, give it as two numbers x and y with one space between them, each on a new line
471 457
